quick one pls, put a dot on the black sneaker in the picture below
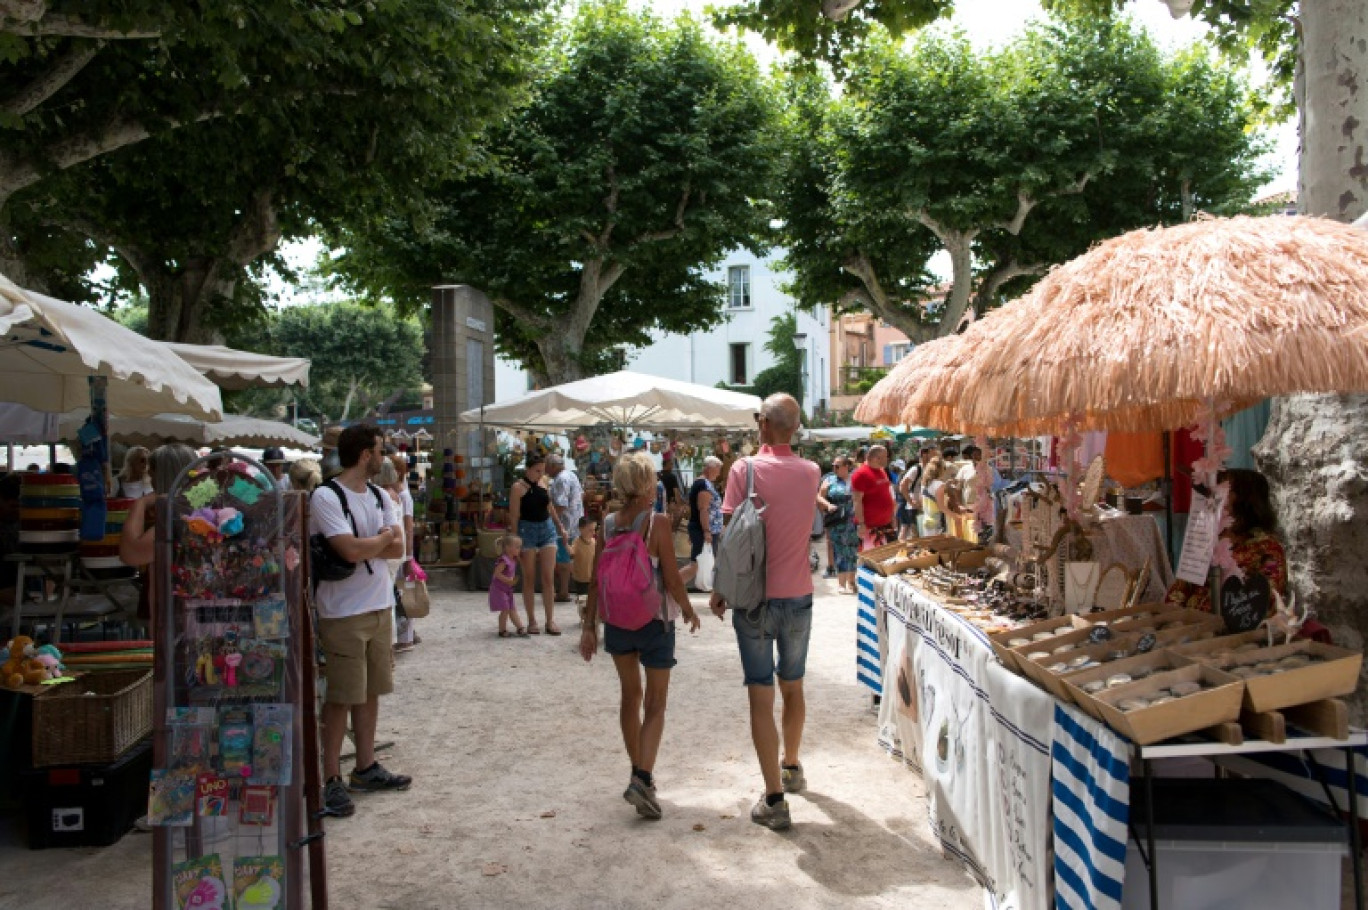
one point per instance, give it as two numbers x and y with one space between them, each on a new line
336 801
377 778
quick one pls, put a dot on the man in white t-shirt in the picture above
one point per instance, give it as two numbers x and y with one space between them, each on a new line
355 626
567 508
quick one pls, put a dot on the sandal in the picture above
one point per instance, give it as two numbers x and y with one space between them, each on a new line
534 629
521 632
504 633
552 629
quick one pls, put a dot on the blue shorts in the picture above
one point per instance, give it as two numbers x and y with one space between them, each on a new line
563 557
785 622
655 642
537 534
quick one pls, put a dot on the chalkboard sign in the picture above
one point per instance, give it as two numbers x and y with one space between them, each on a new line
1245 604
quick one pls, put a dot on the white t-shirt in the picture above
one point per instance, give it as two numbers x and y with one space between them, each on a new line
135 489
406 498
967 475
364 592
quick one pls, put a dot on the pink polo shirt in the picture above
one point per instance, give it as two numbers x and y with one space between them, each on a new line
787 486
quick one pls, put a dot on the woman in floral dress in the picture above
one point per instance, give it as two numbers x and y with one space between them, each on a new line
837 500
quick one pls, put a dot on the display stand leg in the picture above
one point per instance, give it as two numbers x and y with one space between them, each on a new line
1351 819
18 600
62 604
313 783
1148 773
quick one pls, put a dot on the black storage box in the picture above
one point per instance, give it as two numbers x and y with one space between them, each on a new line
87 805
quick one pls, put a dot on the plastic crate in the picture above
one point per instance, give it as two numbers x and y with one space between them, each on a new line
87 805
1236 845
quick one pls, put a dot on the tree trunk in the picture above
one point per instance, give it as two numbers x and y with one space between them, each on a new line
178 303
560 353
961 249
1314 448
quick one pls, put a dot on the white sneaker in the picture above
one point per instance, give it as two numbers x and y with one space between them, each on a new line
775 817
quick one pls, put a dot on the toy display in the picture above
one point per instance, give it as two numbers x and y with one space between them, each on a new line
230 698
21 666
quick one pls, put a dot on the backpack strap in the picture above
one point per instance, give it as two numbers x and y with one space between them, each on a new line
333 485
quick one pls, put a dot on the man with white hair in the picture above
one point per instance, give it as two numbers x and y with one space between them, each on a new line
567 508
786 485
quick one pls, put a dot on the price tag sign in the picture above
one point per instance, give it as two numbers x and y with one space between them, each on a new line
1245 604
1204 526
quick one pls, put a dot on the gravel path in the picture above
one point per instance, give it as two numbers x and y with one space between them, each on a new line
519 770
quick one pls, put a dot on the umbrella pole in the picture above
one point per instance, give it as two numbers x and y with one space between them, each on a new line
1168 495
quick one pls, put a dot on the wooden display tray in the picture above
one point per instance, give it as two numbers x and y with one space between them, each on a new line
999 640
1146 726
1334 676
875 556
1038 672
1107 617
1158 661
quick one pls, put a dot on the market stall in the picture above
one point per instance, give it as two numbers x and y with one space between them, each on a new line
601 417
1154 330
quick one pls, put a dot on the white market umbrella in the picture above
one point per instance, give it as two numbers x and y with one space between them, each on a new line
623 399
234 370
233 430
49 349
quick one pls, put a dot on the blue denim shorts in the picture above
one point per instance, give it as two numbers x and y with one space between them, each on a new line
537 534
655 642
785 622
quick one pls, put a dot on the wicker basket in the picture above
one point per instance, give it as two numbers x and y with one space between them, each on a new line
73 728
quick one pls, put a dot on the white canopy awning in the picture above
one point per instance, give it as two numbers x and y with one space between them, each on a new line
50 348
232 369
622 399
163 428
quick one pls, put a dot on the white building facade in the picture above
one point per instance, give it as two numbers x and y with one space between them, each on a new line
733 352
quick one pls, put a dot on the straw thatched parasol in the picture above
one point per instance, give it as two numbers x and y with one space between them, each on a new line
1145 329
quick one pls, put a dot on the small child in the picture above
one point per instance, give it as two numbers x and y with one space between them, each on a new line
501 587
582 557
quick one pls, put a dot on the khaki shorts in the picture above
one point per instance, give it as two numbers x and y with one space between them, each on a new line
360 656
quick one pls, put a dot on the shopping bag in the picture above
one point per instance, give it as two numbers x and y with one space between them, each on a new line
706 564
417 604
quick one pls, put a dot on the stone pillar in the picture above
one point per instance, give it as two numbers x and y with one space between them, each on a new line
462 349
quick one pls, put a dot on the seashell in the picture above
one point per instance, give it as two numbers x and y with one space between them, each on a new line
1092 687
1038 655
1041 636
1142 673
1162 700
1058 668
1182 689
1295 662
1119 679
1062 648
1266 666
1133 704
1018 642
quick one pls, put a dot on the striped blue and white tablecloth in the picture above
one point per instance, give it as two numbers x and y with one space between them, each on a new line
867 669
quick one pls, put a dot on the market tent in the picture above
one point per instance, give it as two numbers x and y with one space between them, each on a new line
622 399
233 430
50 349
851 434
234 370
1149 329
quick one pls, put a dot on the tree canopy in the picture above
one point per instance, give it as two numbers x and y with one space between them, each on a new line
361 356
191 147
1010 162
643 153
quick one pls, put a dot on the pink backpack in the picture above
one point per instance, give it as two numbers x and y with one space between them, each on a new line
627 594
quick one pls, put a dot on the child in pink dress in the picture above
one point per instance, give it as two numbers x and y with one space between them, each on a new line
501 587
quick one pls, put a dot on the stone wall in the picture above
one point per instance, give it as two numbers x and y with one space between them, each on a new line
1313 454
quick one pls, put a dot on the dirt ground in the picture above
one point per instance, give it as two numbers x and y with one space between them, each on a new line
519 768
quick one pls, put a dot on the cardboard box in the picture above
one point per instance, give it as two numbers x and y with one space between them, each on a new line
1217 705
876 557
966 560
1335 675
1146 665
1108 617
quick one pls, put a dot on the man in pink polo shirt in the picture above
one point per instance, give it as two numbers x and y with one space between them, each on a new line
787 487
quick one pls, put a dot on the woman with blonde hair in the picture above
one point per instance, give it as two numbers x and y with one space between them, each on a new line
135 479
642 716
933 504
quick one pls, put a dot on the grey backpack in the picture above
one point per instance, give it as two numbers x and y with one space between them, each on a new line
740 573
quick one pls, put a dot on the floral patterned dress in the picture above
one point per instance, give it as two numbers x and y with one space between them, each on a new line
1257 554
845 538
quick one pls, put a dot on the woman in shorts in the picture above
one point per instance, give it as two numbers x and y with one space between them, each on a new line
652 646
529 503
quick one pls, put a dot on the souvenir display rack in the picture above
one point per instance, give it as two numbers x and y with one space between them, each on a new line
233 766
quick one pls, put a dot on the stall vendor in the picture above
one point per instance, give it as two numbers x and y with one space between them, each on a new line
1252 536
